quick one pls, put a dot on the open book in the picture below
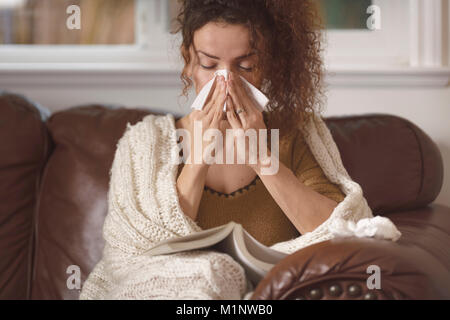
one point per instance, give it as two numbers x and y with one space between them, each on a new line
231 238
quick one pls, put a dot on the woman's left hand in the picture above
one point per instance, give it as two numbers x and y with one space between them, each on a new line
250 117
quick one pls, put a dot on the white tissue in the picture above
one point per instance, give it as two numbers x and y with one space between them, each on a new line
377 227
200 100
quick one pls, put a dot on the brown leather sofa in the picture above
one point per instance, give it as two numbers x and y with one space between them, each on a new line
54 182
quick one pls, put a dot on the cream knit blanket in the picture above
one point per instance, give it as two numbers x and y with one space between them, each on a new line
143 209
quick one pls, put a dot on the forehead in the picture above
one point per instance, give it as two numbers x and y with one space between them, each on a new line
225 41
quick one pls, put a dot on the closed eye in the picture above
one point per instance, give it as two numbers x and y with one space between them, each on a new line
243 68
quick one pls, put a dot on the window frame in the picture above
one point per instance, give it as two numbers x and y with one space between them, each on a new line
149 46
419 63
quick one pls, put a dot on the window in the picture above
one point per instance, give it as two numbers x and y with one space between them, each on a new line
344 14
113 35
42 22
407 49
363 47
131 39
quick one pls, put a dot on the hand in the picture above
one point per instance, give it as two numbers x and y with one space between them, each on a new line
209 117
239 98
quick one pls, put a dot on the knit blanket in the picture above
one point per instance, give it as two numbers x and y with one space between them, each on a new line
143 209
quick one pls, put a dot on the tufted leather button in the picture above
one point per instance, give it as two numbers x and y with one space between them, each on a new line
354 290
335 290
315 294
370 296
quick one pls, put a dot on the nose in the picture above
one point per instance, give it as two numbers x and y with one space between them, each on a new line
225 72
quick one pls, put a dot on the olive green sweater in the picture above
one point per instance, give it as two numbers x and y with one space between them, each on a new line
253 206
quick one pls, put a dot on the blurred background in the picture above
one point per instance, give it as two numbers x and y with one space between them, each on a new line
112 21
35 21
125 55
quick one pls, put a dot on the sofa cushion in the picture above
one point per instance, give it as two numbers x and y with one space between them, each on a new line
397 165
73 196
24 148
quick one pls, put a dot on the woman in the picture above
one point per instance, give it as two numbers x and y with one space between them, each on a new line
275 46
257 40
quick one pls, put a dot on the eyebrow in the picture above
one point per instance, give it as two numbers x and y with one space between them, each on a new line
217 58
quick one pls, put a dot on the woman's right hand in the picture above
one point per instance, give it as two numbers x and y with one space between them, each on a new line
193 175
209 118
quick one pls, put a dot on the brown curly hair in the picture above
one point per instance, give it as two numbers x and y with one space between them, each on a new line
290 61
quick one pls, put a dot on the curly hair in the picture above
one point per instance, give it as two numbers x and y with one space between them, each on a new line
290 61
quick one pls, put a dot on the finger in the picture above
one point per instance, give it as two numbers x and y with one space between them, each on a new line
219 89
208 118
231 115
209 100
220 101
214 114
242 90
234 94
237 105
209 112
235 125
237 102
221 98
241 86
212 94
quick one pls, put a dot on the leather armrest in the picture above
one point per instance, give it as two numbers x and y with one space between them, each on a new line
338 268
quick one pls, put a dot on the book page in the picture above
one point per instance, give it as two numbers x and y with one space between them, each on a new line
198 240
260 251
254 257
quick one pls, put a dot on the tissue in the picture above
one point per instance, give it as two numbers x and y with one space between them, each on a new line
259 97
377 227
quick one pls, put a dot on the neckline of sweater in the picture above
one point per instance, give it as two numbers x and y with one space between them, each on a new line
234 193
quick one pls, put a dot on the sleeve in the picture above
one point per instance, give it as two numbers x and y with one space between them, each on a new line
308 171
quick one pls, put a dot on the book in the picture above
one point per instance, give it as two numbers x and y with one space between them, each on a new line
231 238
